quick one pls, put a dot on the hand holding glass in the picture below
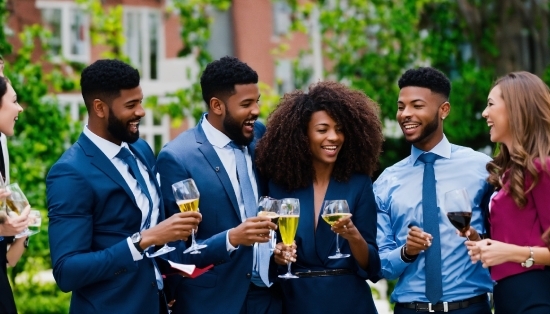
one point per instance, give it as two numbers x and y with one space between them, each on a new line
187 196
269 207
15 204
458 209
289 215
333 211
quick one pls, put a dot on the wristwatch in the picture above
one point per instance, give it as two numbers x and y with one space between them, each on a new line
136 239
530 261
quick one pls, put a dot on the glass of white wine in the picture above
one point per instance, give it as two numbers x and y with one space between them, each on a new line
289 215
334 210
187 196
35 221
269 207
15 204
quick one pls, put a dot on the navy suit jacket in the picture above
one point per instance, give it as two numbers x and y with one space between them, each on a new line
331 294
92 212
222 289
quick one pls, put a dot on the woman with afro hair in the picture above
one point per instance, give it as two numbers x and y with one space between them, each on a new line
324 145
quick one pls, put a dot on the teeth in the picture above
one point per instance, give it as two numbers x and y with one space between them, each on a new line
408 127
330 147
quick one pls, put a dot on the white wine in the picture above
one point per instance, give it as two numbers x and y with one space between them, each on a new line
16 206
287 226
271 215
331 219
189 205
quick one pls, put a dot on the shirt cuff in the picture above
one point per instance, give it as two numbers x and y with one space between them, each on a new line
230 248
136 255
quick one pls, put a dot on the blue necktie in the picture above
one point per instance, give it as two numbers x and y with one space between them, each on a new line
261 250
130 160
434 287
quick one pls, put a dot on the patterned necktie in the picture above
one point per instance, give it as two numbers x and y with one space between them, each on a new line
130 160
247 193
434 287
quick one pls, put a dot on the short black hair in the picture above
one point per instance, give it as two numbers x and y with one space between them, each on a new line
220 77
104 79
427 77
3 87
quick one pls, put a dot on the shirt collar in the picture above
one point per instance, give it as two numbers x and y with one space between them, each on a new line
442 149
213 135
110 149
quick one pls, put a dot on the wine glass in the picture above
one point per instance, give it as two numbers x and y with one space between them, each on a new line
269 207
187 196
15 204
334 210
289 215
458 209
35 221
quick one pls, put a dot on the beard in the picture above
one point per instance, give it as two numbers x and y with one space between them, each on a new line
428 130
234 131
119 129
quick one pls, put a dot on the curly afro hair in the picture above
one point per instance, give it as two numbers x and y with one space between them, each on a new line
104 79
283 154
427 77
220 77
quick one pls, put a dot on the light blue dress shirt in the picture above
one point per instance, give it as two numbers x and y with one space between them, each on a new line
398 194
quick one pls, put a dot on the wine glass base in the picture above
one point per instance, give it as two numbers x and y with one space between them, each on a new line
338 255
288 276
194 249
165 249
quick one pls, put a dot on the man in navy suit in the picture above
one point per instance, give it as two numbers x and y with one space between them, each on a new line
105 206
218 154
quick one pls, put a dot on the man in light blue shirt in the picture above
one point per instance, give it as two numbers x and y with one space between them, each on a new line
403 244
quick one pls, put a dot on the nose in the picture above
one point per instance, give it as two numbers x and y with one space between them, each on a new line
140 111
255 109
332 135
20 108
407 112
485 113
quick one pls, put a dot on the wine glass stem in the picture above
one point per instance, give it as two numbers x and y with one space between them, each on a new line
337 245
193 243
288 265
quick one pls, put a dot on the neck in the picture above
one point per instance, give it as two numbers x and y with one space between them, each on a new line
322 172
430 142
215 122
103 133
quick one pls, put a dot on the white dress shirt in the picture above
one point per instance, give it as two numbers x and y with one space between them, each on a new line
110 150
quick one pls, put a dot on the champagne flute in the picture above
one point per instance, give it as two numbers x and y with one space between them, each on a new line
334 210
15 204
187 196
289 215
269 207
458 209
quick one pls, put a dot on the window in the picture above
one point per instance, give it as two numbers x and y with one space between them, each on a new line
281 18
144 34
69 27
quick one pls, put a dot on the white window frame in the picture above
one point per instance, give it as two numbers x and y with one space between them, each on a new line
143 32
66 8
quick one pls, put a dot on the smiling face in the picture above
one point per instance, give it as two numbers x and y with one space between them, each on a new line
496 115
241 111
9 111
124 116
325 138
420 113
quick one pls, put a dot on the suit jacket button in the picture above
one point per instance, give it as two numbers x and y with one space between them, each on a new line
153 284
248 275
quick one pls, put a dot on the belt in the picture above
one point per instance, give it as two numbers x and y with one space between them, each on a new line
323 273
443 306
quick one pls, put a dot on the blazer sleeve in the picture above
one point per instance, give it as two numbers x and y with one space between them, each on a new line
71 228
171 168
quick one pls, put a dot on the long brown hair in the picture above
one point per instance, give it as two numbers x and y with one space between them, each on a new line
527 100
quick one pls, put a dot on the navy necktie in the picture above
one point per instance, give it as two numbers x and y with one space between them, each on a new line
247 193
434 287
130 160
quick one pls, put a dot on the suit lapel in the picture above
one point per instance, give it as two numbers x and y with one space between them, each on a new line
101 162
212 157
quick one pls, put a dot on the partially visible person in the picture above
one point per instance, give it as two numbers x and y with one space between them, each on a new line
546 237
218 155
105 205
324 145
11 249
418 244
2 66
518 115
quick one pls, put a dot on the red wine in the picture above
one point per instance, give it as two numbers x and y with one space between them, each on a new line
461 220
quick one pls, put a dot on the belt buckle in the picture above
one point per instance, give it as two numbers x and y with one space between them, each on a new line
430 308
445 307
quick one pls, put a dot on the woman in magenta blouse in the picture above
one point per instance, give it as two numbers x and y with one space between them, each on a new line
518 115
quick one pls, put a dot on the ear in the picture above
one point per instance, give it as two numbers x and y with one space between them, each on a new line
216 106
99 108
444 110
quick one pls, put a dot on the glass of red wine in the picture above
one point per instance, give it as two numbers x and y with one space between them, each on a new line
459 209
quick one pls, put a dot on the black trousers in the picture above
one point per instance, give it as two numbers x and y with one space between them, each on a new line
262 300
526 293
163 307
